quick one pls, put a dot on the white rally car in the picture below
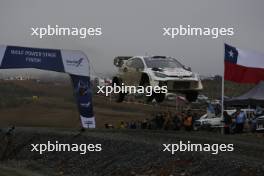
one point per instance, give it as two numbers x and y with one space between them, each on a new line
157 71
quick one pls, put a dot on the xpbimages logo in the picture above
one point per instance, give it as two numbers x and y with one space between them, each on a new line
192 147
188 30
56 30
60 147
116 89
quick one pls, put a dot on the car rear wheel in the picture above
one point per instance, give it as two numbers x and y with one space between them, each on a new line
159 97
191 96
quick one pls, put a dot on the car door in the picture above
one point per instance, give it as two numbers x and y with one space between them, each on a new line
136 71
126 70
132 71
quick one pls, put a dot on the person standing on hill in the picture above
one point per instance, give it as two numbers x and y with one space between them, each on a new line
240 121
227 122
176 122
188 122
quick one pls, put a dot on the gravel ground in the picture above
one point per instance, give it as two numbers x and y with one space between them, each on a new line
132 152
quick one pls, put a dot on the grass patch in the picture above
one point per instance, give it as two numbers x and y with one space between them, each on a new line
12 95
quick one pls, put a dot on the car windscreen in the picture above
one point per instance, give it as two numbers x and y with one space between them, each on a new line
162 63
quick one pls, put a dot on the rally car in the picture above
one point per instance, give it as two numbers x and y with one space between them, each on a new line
157 71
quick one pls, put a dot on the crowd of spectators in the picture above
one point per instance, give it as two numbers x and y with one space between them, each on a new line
238 122
161 121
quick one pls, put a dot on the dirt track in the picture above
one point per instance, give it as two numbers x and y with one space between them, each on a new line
132 152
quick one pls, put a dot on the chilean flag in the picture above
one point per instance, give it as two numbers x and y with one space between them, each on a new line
243 66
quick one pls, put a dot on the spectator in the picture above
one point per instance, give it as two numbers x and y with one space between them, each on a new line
159 120
194 118
176 122
227 122
188 122
138 124
121 125
133 125
182 117
127 125
240 121
150 124
144 124
218 109
253 123
167 121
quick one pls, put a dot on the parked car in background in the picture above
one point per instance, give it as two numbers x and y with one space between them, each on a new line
260 123
208 120
202 97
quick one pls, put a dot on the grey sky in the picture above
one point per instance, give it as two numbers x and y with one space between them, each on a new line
134 27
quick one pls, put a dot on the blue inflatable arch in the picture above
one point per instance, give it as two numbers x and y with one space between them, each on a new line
75 63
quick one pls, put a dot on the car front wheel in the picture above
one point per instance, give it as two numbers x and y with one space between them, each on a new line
117 97
147 99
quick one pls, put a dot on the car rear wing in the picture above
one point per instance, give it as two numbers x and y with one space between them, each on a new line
119 60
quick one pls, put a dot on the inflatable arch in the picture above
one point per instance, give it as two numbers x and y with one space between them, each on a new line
75 63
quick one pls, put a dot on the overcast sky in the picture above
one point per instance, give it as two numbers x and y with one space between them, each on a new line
134 27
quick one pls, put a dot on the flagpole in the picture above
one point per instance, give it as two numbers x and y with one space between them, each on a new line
223 92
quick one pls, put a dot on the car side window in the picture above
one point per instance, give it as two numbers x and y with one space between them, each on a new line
137 63
129 63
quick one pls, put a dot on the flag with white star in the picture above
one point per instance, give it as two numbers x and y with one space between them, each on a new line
243 66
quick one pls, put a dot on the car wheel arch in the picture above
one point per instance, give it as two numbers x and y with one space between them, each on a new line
116 80
144 78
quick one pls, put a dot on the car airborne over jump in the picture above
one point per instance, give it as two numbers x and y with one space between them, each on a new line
156 71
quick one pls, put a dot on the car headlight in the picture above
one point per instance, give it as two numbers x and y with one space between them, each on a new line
161 75
205 123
